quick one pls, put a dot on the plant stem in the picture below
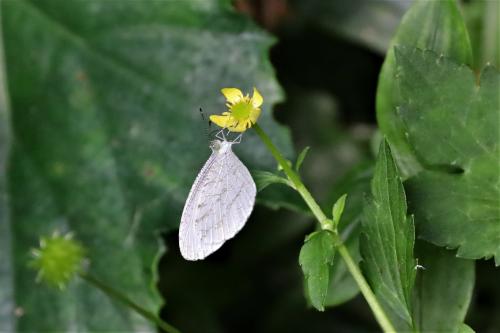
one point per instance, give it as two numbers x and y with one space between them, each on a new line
117 295
370 297
294 178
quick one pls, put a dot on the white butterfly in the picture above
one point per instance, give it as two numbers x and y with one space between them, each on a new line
219 203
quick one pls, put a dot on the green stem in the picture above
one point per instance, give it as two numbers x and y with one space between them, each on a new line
325 223
370 297
117 295
294 178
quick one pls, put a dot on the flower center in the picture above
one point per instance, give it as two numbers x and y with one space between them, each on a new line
241 110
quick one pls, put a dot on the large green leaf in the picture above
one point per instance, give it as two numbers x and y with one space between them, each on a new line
433 25
316 257
7 306
454 127
443 289
387 240
368 22
107 137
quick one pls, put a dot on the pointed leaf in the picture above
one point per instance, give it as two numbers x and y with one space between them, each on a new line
301 158
338 209
387 239
265 178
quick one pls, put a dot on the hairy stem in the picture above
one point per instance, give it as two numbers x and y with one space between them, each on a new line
118 296
325 223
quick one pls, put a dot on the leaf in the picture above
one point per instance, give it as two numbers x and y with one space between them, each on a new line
453 124
265 178
316 257
338 209
301 158
387 239
342 286
7 304
443 291
106 138
482 19
433 25
371 23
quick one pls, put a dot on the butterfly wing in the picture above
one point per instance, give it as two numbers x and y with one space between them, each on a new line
218 205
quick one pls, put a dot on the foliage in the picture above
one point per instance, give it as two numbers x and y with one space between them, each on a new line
100 137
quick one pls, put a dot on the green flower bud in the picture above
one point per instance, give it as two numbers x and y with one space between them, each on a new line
58 259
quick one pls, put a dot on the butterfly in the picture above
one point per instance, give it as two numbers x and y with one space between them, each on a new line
219 203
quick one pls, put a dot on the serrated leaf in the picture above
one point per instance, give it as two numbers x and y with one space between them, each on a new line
434 25
301 158
443 290
454 126
387 239
338 209
265 178
316 257
107 139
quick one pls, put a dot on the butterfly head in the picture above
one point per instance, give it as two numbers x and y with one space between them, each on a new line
220 146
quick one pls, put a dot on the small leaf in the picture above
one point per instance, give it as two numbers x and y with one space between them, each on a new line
446 284
265 178
432 25
338 209
387 240
453 124
301 158
316 257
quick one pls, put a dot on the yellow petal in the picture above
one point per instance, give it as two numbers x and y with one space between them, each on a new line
222 121
254 115
257 98
240 127
233 95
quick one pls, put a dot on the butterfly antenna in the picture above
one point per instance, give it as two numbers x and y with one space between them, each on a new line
208 132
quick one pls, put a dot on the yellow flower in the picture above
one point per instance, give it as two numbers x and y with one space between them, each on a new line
243 110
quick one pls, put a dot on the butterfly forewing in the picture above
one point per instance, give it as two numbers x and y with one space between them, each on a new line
218 205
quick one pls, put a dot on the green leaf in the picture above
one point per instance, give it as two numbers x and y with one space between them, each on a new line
387 239
453 125
443 290
107 139
7 303
316 257
434 25
342 286
482 19
366 22
301 158
265 178
338 209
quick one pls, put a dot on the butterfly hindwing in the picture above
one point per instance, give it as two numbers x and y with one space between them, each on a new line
218 206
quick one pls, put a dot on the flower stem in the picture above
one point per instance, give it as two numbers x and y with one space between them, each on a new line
117 295
365 289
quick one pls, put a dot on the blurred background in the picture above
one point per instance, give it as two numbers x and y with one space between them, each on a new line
100 135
